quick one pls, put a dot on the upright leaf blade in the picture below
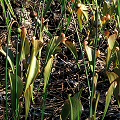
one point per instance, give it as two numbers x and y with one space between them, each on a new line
111 41
37 44
90 54
96 105
112 76
82 11
32 71
47 72
47 7
79 15
28 96
108 97
9 7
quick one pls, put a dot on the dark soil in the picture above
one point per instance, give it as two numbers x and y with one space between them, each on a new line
66 77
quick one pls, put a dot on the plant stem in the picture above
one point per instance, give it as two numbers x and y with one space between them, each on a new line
81 48
16 84
6 82
6 62
94 62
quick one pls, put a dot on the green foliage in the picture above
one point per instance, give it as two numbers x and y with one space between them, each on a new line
90 54
72 108
82 12
28 95
111 41
47 72
7 2
13 80
30 59
108 97
52 46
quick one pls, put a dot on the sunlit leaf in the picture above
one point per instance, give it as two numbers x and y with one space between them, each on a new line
89 52
28 97
111 41
85 13
72 48
37 44
90 55
95 80
111 76
115 1
25 49
82 12
23 33
108 97
47 72
79 15
13 80
32 71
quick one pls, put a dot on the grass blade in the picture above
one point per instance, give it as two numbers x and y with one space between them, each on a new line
10 7
28 96
108 97
47 7
47 72
32 71
111 41
90 54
